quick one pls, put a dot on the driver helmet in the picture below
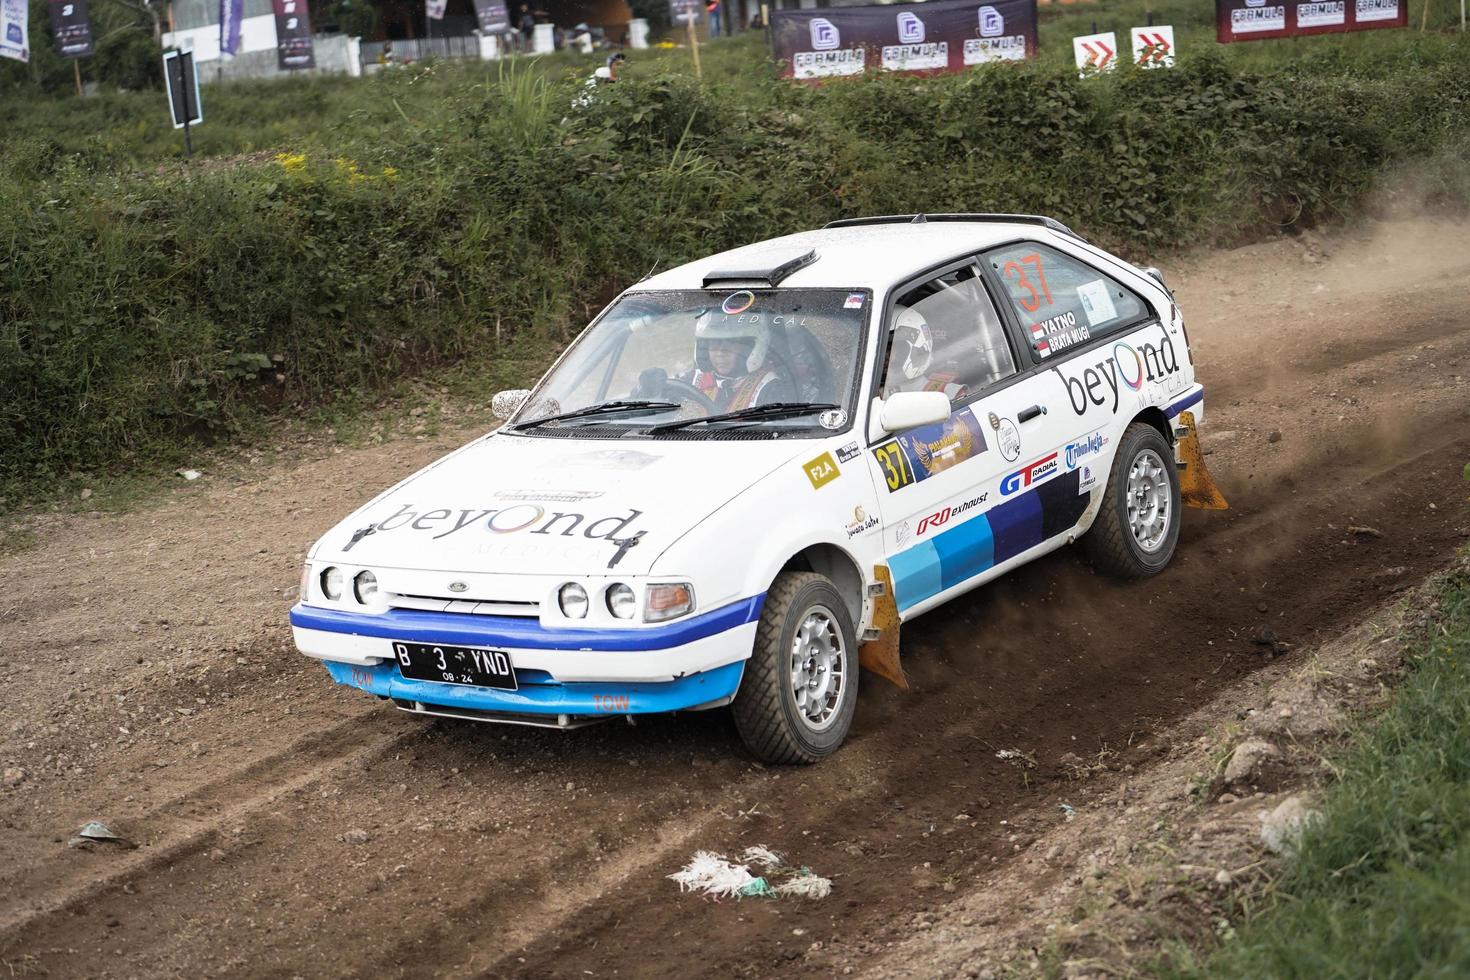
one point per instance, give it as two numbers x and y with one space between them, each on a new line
913 344
712 326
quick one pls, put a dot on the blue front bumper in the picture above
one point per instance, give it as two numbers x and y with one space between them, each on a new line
538 697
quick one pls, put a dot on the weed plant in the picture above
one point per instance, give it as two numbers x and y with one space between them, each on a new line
1381 887
337 235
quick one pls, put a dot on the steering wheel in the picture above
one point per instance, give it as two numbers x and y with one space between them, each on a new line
687 391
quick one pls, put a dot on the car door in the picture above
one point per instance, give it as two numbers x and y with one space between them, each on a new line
963 497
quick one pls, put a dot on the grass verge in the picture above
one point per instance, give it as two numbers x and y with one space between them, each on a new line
1381 884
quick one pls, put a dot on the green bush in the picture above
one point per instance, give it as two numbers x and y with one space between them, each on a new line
419 215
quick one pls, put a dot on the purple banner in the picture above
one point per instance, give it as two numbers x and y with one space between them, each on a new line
921 38
230 12
293 35
71 28
1257 20
494 17
434 9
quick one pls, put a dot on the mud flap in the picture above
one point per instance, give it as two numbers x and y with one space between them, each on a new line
881 655
1196 487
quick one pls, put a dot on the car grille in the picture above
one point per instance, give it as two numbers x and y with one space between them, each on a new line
460 604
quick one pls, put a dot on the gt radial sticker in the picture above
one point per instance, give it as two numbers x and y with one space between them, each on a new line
1030 475
821 471
933 449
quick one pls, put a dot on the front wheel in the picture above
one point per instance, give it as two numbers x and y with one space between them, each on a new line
799 692
1138 526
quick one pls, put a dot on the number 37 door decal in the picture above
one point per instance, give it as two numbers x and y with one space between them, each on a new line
896 469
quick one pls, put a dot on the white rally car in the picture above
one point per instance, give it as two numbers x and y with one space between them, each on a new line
750 470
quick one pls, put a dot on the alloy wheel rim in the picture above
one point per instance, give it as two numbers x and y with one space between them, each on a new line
818 668
1148 501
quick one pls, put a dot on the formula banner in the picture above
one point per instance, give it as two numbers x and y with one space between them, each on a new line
71 28
920 38
1257 20
293 35
230 12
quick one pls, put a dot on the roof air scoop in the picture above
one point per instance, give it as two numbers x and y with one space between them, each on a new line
768 268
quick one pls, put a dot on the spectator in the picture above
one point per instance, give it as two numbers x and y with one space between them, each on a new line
527 25
713 8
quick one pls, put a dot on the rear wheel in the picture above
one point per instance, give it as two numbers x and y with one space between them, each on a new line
799 691
1136 530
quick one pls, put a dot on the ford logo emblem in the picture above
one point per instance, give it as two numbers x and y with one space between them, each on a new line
457 586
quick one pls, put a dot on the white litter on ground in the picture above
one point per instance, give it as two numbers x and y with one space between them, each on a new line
715 875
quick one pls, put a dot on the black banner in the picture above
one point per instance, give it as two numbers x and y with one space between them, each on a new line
1257 20
494 18
71 28
924 38
293 35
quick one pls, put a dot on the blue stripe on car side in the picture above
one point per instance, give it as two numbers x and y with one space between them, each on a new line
916 572
1188 401
468 629
1016 525
964 552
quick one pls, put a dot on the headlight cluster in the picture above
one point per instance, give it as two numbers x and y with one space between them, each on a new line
333 583
661 602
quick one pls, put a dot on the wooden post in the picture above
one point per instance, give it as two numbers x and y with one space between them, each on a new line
694 46
76 68
1424 18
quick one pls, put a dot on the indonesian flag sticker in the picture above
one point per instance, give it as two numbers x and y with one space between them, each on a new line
854 301
1038 335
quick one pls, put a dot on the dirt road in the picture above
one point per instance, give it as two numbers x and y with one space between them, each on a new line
287 827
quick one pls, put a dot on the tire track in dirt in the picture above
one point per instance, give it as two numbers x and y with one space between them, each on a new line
529 853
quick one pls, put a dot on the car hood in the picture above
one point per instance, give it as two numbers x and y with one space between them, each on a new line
552 505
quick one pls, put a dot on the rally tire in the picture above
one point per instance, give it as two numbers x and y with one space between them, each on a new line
1137 541
770 721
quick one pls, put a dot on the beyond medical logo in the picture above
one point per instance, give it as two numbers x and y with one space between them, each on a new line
1028 475
506 520
1125 366
910 28
824 34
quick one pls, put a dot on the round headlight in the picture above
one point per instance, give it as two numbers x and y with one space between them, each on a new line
332 583
573 601
621 600
365 586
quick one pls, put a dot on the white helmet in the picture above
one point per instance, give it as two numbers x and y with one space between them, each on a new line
707 328
913 345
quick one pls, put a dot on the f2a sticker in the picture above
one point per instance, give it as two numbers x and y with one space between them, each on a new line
895 465
821 471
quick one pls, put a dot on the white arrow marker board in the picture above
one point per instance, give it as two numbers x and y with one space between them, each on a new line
1095 52
1153 47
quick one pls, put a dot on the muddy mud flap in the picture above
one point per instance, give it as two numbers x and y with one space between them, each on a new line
1196 486
879 651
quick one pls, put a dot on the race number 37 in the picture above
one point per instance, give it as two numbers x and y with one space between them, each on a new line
895 466
1015 273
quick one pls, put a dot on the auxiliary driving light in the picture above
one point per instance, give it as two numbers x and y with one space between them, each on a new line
573 601
365 586
332 583
621 600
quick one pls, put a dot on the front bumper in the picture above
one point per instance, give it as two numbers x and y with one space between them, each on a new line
575 672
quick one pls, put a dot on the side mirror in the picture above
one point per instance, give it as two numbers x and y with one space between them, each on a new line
911 409
507 403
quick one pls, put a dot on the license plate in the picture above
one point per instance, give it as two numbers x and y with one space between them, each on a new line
474 666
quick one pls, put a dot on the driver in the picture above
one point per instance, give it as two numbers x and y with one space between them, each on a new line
911 363
734 367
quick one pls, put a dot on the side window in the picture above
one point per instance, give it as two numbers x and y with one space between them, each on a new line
1062 301
945 335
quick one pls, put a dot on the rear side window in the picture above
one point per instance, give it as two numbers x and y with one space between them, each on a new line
1061 301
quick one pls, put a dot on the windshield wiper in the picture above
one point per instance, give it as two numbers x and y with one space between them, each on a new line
604 408
755 413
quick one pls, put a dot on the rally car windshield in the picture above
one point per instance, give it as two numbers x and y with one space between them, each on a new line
708 361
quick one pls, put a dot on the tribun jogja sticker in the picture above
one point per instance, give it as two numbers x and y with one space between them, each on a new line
821 471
